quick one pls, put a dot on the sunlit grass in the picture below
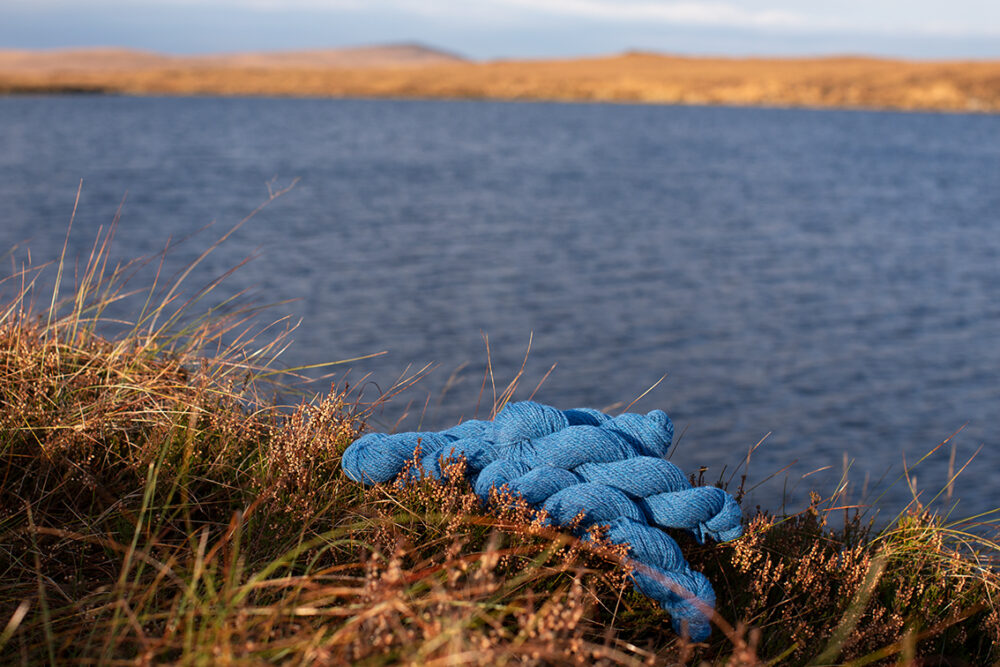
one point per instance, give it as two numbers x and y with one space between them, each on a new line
157 505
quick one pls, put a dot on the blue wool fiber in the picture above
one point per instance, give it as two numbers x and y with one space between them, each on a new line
581 463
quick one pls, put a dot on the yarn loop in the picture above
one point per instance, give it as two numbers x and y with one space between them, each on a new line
581 463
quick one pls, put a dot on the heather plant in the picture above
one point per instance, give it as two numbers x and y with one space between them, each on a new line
158 504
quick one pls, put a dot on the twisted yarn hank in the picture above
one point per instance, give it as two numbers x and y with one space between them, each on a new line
572 462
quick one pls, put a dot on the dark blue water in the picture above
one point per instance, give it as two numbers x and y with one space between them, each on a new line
831 278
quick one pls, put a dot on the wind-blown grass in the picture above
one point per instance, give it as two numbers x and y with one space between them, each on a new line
157 506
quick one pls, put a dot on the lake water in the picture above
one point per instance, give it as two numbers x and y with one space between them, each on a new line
829 277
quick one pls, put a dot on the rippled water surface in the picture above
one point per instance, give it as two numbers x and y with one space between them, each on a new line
831 278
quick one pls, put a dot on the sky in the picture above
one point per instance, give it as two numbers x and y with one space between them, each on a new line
490 29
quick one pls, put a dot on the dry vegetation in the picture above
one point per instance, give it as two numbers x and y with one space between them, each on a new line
155 507
631 77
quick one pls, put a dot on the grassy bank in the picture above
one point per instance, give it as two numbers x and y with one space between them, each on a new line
631 77
157 506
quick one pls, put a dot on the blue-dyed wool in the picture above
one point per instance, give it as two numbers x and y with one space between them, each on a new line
570 463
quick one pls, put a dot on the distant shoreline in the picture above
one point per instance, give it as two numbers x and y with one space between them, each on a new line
406 72
70 92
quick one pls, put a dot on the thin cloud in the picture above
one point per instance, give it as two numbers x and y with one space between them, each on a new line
959 18
691 13
923 19
717 14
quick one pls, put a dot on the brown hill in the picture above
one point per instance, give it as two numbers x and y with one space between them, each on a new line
414 71
115 59
392 55
73 60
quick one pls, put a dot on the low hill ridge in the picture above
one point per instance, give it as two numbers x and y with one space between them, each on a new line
418 71
122 59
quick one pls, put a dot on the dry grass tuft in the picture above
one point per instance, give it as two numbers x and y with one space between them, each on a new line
824 595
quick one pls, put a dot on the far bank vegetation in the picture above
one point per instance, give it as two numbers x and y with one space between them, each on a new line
636 77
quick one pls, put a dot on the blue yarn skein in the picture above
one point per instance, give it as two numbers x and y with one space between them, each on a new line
609 469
